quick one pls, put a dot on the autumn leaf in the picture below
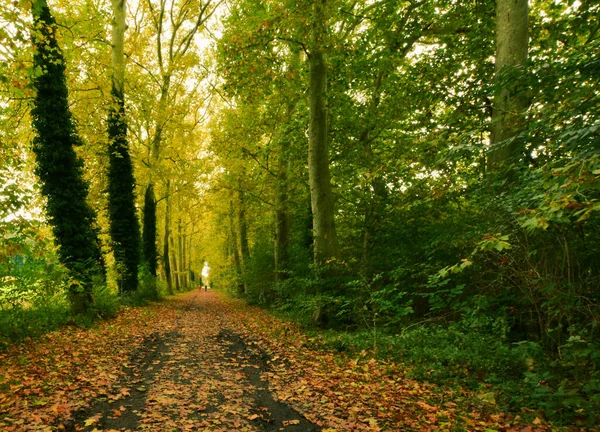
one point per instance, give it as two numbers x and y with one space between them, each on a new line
290 422
92 420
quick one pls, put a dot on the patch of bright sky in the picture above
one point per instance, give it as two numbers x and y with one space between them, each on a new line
420 50
205 270
573 8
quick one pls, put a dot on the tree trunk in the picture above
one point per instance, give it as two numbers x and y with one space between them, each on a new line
59 168
175 264
282 217
190 271
148 218
166 257
176 27
124 225
243 227
149 233
236 254
325 237
282 223
511 51
180 269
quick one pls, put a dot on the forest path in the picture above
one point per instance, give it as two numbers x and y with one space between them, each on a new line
204 361
202 375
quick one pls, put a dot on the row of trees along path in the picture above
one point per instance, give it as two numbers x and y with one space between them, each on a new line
334 155
202 361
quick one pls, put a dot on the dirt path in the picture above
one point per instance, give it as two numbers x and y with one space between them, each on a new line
202 361
201 376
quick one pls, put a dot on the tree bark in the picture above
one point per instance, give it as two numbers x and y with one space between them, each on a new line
511 51
325 237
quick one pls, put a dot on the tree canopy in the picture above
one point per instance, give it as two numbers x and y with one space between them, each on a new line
388 169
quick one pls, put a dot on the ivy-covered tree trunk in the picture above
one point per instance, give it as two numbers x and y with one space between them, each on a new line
149 240
124 225
58 167
167 234
325 236
512 39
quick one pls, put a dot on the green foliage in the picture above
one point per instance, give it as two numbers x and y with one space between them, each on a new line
149 231
477 277
124 225
149 290
258 267
150 287
45 314
106 304
58 167
32 297
33 284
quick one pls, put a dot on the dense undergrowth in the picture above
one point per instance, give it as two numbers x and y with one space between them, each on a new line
34 290
501 298
481 355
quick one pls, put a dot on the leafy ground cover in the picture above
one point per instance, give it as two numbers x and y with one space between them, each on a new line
203 361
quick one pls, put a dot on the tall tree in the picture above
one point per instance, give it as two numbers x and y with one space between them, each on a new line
243 230
282 185
149 234
173 41
326 243
241 287
58 167
124 225
282 219
167 234
512 39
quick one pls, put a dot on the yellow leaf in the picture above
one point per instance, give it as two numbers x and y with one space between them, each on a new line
91 421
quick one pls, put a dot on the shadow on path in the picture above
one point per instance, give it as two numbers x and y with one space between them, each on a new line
272 414
120 409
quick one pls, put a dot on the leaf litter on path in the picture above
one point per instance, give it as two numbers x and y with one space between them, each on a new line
203 361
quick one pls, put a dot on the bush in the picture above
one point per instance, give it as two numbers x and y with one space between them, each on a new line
33 296
442 354
106 303
45 314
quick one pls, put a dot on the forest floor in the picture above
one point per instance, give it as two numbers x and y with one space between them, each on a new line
203 361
